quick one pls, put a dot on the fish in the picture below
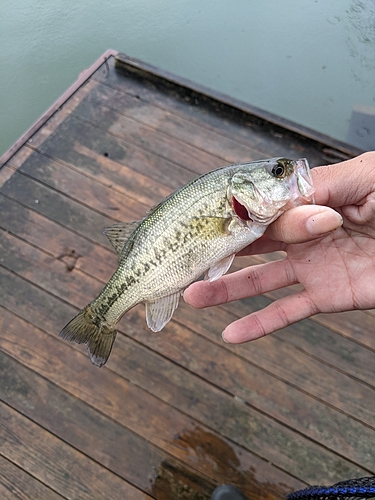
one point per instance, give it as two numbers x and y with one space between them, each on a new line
196 231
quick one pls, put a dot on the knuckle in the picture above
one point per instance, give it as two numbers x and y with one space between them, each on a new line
254 281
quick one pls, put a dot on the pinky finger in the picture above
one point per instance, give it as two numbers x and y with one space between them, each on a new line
278 315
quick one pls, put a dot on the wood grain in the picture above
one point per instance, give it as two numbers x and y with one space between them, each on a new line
269 141
119 450
52 462
16 484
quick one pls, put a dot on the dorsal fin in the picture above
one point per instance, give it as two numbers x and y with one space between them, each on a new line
119 234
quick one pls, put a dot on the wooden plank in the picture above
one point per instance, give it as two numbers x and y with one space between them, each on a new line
46 272
355 325
121 451
128 64
321 342
239 126
158 422
61 467
59 242
114 204
119 180
16 484
57 207
172 124
336 350
93 151
246 383
292 365
205 400
148 138
57 119
5 175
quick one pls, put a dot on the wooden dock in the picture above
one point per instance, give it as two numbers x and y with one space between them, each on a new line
176 413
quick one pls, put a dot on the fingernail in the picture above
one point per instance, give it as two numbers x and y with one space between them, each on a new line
323 222
222 336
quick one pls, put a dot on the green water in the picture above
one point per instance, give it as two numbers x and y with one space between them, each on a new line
311 61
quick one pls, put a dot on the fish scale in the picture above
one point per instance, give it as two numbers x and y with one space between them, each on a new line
195 231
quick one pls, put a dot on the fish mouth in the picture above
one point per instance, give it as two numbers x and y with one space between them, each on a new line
246 215
240 210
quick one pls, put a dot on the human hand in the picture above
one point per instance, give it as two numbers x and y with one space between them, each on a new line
331 253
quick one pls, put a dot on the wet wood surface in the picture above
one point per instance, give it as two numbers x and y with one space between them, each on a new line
172 414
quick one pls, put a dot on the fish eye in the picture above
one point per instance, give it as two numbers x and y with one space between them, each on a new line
280 169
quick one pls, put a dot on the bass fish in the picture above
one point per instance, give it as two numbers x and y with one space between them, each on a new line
195 231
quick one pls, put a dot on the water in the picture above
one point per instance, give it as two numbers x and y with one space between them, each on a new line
310 61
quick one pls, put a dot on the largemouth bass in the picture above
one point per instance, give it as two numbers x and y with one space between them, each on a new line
196 230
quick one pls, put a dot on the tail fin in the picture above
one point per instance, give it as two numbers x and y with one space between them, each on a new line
86 329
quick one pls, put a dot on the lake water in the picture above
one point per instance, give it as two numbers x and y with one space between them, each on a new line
311 61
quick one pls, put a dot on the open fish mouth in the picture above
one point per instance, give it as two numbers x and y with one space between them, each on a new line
240 210
246 215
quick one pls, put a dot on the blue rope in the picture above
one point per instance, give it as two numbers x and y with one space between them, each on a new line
363 487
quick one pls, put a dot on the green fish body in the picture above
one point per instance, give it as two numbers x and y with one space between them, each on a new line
196 231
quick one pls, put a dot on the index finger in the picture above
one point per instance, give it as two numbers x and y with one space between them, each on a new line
248 282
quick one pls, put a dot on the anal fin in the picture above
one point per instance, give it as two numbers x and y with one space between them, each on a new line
160 311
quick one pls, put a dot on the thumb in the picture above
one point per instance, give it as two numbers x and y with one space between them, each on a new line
304 223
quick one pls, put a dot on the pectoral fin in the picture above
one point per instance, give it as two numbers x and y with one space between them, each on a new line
160 311
217 270
119 234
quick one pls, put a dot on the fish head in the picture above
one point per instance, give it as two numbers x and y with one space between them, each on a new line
261 192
